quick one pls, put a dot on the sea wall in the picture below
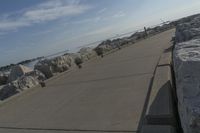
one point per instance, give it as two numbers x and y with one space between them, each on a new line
186 63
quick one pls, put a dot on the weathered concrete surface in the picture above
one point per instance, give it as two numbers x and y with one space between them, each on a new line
106 95
166 57
160 108
59 131
158 129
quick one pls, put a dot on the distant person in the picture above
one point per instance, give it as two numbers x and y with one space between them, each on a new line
145 31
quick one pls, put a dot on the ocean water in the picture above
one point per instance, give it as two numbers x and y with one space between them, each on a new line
32 64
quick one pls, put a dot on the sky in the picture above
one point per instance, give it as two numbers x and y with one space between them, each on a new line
32 28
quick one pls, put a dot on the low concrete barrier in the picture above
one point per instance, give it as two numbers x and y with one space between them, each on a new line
165 59
161 111
160 108
186 64
158 129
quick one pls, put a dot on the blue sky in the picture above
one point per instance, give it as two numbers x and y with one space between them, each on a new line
32 28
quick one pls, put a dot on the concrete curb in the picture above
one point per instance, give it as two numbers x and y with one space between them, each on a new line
158 129
166 59
160 108
160 116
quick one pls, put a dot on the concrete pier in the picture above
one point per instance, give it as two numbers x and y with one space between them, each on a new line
106 95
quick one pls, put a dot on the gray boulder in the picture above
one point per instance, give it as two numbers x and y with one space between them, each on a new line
189 30
8 91
105 46
3 78
55 65
186 59
26 82
37 75
17 86
187 34
45 68
138 35
18 71
187 65
86 54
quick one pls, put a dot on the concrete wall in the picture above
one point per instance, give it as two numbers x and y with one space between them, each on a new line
186 62
161 112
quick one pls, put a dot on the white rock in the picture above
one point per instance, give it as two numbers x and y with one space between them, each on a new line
45 68
19 85
18 71
1 86
87 53
187 34
26 82
55 65
187 72
105 46
3 78
188 30
186 65
37 75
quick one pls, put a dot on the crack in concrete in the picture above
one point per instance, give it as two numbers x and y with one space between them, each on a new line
107 78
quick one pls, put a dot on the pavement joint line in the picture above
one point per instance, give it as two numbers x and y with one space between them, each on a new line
68 130
147 56
141 122
130 59
107 78
164 65
137 58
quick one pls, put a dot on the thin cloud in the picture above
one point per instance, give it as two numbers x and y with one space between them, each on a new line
100 31
102 11
87 20
100 18
54 10
12 25
119 14
44 12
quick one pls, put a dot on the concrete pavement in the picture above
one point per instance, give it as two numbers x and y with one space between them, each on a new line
106 95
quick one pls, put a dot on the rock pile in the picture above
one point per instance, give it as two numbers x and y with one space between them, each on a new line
18 71
186 59
59 64
188 30
3 78
86 54
138 35
37 75
108 45
105 46
17 86
20 79
56 65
